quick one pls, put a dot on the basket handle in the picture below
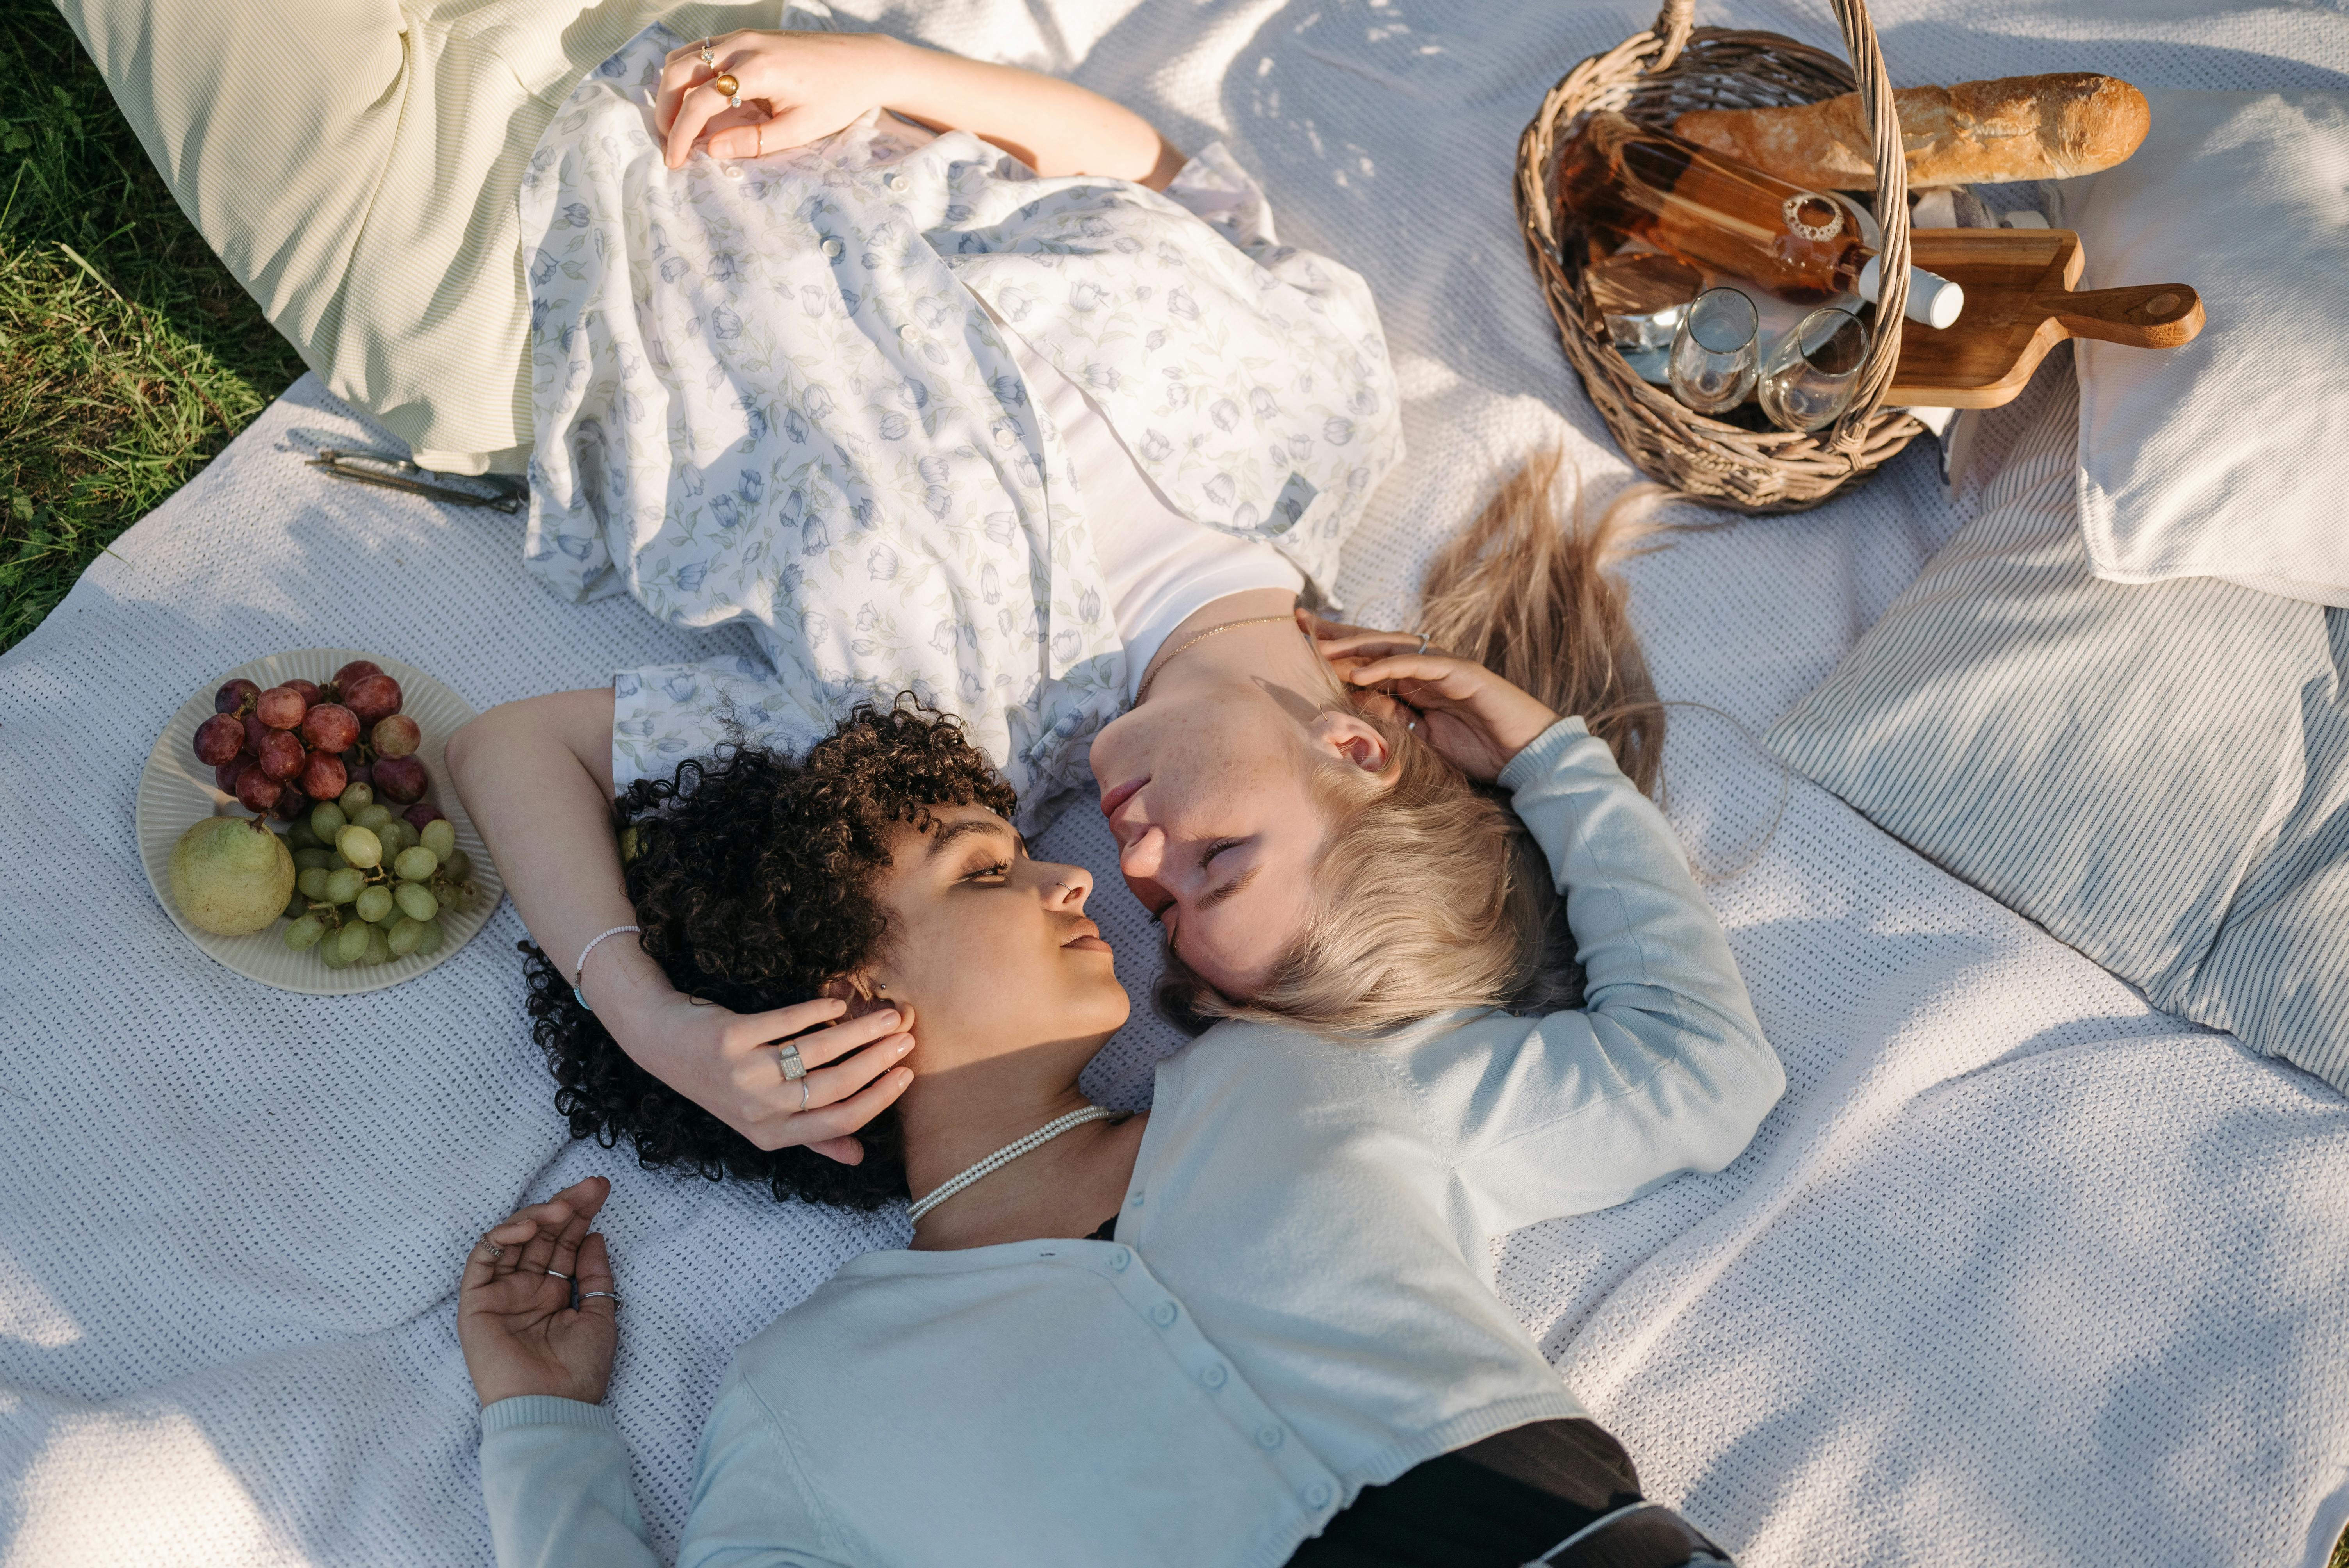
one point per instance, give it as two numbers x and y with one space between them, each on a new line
1891 215
1673 25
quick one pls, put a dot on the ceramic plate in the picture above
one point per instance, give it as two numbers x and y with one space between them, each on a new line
176 790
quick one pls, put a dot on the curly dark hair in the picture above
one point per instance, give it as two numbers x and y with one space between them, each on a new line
753 877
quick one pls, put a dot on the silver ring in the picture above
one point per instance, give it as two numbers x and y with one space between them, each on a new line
804 1096
1422 641
608 1295
788 1059
556 1274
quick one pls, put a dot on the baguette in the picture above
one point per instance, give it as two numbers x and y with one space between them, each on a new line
2020 128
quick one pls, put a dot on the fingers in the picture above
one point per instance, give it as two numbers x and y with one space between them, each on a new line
829 1085
482 1262
1373 645
754 1030
847 1151
685 69
565 1261
746 137
695 108
1429 673
833 1121
596 1274
824 1045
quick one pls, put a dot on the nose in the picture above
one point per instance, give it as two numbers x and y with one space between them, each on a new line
1067 887
1141 858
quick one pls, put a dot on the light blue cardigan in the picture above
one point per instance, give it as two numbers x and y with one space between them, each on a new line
1300 1302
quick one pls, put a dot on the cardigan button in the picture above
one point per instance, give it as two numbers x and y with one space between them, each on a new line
907 332
1213 1376
832 247
1120 1259
893 181
1267 1437
1163 1315
1317 1495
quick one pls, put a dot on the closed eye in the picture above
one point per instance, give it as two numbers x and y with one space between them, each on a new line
1208 858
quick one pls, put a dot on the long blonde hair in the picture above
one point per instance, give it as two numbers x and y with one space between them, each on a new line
1432 894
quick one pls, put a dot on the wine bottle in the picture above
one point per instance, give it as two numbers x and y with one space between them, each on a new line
1620 177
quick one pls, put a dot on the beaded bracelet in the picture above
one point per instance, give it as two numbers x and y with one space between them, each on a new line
579 970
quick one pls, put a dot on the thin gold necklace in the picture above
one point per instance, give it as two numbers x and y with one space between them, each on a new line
1142 693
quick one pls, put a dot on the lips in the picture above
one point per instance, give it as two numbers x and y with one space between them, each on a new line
1088 939
1118 797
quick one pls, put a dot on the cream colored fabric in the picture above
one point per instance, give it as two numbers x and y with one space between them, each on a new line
357 164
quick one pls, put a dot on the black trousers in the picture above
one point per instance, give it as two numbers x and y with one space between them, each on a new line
1517 1498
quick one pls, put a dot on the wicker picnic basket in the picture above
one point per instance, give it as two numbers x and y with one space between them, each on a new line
1652 77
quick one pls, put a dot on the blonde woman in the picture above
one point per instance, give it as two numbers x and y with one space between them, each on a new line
1036 419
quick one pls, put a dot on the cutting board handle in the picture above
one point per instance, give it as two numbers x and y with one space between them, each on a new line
2145 316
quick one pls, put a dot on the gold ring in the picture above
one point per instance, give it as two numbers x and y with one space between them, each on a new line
724 82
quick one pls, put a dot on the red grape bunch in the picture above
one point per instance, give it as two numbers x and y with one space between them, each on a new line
334 761
279 750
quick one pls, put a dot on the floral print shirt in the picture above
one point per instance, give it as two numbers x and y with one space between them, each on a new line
767 391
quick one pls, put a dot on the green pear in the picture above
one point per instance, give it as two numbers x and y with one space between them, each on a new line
230 875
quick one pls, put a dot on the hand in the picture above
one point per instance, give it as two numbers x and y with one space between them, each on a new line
795 88
521 1334
1475 721
729 1063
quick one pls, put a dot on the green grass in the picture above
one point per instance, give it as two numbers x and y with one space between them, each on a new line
129 356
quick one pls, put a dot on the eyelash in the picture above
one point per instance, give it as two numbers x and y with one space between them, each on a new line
1218 848
999 869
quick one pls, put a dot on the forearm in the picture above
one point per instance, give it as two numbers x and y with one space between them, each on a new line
1053 126
536 777
1647 940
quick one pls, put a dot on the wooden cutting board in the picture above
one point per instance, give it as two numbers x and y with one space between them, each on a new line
2020 304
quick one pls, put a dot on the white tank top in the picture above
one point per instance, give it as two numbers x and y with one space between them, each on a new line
1160 567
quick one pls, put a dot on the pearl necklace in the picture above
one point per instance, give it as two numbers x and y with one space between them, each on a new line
1008 1153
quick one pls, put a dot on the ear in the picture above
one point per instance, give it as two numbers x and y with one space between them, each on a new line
859 991
1351 738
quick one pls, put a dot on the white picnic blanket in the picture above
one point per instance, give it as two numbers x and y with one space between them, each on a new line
2020 1272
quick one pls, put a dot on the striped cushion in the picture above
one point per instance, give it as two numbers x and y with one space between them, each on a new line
2158 775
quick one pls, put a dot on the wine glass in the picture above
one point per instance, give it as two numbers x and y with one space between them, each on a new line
1813 371
1715 352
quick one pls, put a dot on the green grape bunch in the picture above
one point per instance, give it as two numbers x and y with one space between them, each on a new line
369 886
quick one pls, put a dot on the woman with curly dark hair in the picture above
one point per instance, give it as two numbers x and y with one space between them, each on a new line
753 878
1254 1326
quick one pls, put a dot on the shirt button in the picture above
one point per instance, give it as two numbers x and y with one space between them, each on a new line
733 171
893 181
833 246
1317 1495
1213 1376
907 332
1120 1259
1163 1315
1267 1437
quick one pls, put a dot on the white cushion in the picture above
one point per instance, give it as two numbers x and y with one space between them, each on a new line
2219 458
